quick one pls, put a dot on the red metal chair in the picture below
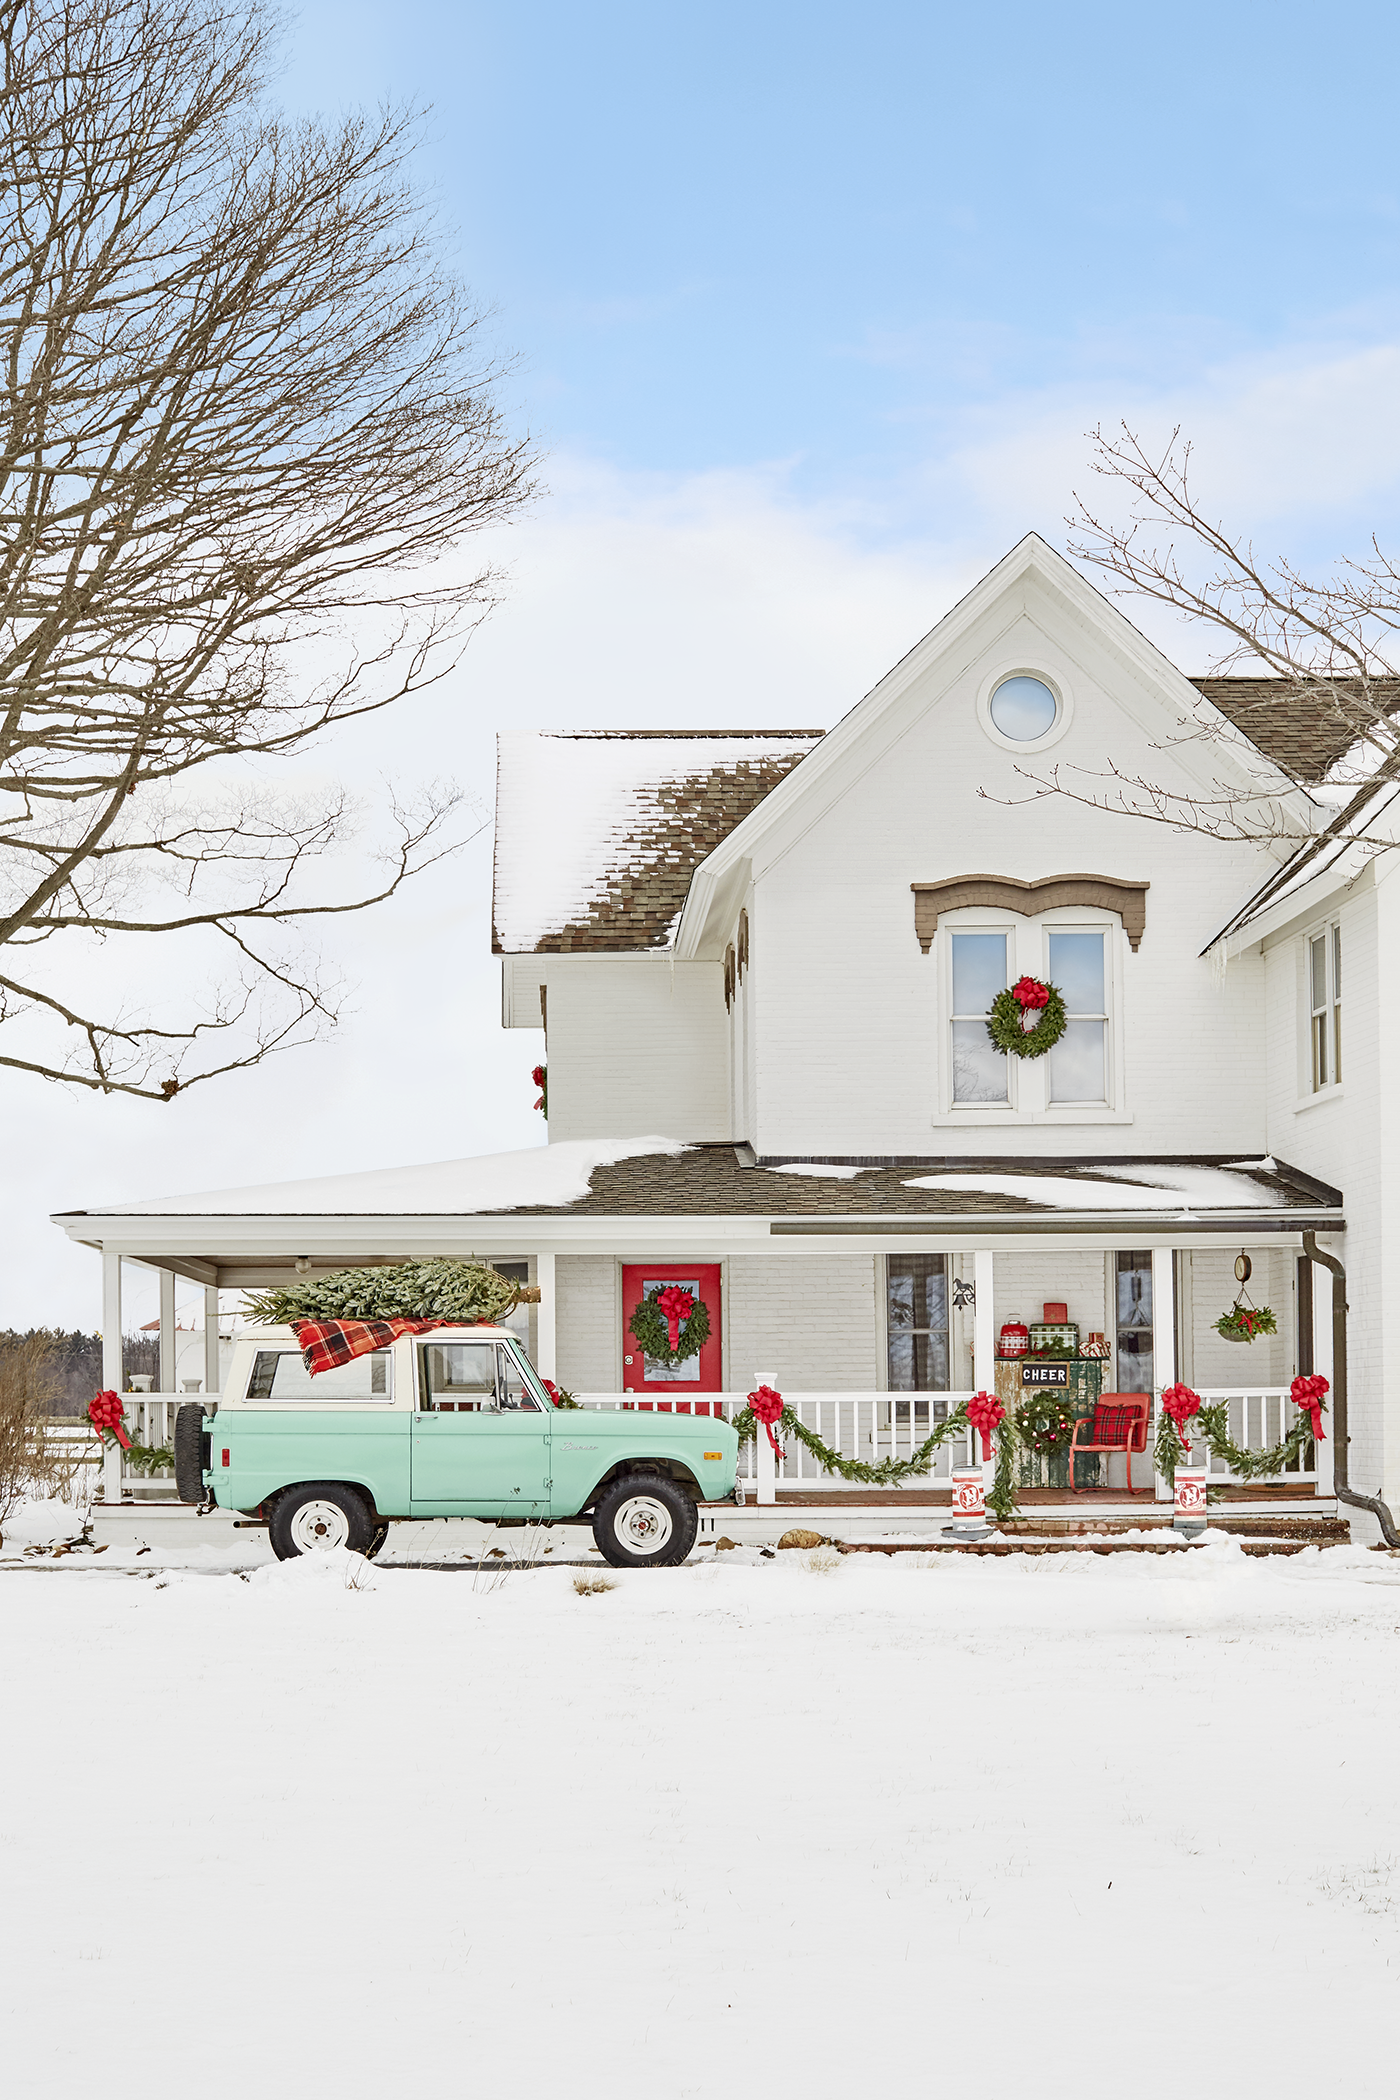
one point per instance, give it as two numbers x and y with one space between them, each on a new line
1118 1423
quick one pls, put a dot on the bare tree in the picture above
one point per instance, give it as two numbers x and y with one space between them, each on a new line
247 422
1307 668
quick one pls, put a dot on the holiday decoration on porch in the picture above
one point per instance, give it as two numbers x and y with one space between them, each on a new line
984 1413
557 1394
671 1324
1307 1395
1044 1422
444 1293
105 1412
1015 1340
767 1408
1242 1322
1029 1019
1211 1424
540 1075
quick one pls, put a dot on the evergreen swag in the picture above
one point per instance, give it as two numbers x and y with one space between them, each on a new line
648 1324
1212 1425
887 1472
463 1292
1005 1020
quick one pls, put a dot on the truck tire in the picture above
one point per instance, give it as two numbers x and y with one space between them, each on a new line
644 1520
189 1451
318 1515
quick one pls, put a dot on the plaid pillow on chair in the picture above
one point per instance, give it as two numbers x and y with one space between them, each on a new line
1114 1426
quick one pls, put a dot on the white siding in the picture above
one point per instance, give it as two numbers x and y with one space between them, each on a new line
812 1321
586 1289
636 1047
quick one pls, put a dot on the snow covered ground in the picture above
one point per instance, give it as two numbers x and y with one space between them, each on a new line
799 1826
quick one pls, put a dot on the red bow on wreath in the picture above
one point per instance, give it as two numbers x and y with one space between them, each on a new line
105 1412
1306 1394
1181 1403
1029 991
768 1408
675 1305
984 1413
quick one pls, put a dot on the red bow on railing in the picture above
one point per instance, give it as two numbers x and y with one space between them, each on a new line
1306 1394
1181 1403
768 1409
984 1413
1029 991
675 1305
105 1412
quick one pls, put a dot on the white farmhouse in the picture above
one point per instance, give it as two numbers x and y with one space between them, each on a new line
764 962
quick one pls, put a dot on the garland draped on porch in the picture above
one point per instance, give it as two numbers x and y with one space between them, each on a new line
889 1472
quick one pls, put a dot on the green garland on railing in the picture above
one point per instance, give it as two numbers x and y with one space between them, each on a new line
888 1472
1212 1426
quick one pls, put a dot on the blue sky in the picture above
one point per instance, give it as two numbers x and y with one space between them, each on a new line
842 239
812 308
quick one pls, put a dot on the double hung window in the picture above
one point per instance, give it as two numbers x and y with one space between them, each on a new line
979 973
916 1308
1078 1062
1325 1006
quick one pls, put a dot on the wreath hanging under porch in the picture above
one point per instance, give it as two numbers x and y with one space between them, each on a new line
1011 1011
671 1324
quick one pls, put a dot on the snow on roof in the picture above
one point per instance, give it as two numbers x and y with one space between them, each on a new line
1120 1188
551 1175
598 834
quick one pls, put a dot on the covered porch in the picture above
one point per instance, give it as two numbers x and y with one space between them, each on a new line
874 1297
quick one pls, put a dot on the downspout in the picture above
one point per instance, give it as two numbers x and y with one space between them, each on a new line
1344 1493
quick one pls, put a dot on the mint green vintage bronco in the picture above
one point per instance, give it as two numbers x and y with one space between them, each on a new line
455 1423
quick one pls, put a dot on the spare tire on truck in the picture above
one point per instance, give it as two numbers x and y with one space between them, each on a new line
191 1451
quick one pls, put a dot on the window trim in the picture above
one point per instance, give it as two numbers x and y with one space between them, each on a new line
1029 952
1329 932
1021 667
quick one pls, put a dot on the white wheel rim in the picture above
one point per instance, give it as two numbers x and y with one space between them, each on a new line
643 1524
317 1527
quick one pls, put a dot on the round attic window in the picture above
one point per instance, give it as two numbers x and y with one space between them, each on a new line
1023 709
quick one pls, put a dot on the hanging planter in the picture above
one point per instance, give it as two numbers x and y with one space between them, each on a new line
1243 1322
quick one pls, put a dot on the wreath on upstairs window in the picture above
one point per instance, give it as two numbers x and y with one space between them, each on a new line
670 1323
1029 1019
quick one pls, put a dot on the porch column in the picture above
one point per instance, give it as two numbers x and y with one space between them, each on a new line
1163 1338
167 1331
984 1348
213 1374
1323 1285
545 1332
112 1364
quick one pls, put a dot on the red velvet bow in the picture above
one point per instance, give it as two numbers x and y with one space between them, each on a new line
1307 1394
1029 991
675 1305
984 1413
105 1412
1181 1403
768 1408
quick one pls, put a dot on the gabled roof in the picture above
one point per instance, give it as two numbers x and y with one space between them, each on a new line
599 833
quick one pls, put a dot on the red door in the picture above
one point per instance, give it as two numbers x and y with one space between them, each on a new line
672 1388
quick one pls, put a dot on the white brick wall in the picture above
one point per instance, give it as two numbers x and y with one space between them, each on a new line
636 1047
586 1330
812 1320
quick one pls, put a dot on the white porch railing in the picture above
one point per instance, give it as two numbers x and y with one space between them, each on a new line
868 1426
1260 1417
873 1426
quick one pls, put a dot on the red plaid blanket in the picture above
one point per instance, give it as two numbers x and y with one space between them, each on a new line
1114 1426
326 1343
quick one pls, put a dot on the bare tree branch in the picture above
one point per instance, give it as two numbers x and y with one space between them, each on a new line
246 429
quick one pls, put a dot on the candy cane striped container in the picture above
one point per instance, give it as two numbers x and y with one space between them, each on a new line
1189 1515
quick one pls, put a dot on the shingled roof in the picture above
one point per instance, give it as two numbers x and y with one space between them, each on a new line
1303 732
599 833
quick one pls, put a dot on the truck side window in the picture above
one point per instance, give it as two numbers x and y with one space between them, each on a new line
457 1377
280 1374
515 1389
